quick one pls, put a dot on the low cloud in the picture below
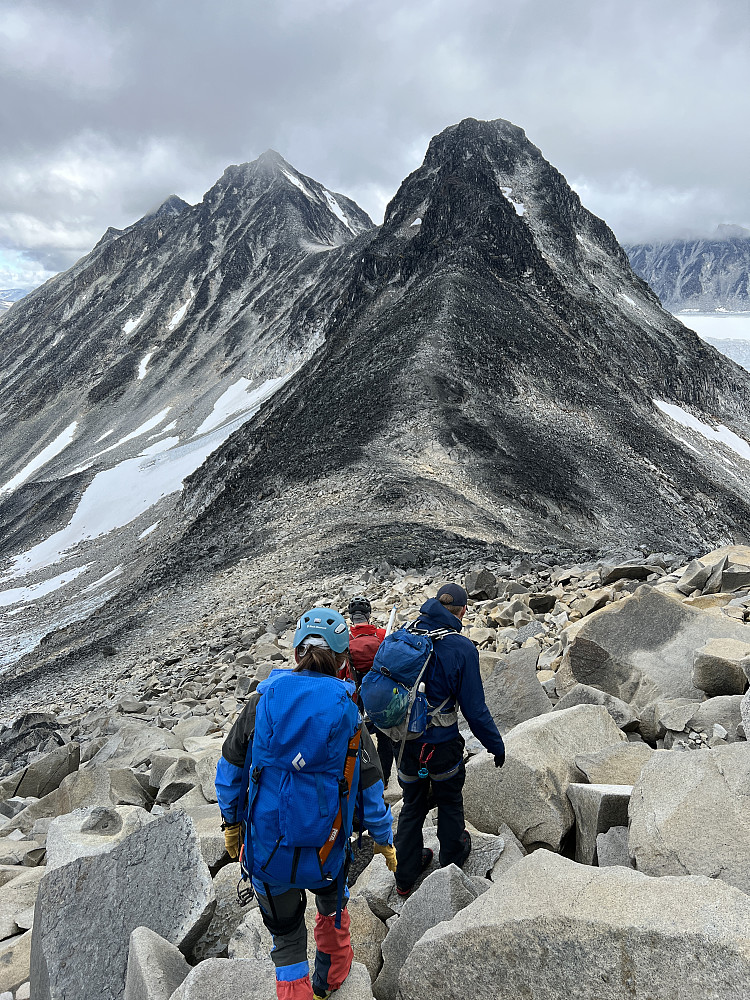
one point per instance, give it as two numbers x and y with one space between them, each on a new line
110 108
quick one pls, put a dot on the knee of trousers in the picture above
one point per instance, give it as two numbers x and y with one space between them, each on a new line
281 926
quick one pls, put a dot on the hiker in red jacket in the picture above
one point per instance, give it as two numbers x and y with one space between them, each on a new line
364 640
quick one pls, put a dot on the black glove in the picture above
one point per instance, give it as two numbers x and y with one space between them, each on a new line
499 759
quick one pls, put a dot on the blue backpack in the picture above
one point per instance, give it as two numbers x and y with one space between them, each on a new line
305 761
392 692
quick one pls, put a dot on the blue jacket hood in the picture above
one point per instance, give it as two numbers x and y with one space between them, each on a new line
439 614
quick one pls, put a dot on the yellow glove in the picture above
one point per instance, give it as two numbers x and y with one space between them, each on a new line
232 839
389 853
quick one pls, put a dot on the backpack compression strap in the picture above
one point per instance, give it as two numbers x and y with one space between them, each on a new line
345 787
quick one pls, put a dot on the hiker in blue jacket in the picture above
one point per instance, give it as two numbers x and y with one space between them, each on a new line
434 765
300 753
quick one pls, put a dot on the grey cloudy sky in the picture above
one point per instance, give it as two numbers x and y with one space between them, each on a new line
107 107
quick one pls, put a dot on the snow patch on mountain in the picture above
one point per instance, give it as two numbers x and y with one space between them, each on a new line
720 433
23 595
336 209
518 205
164 445
298 184
131 324
46 455
117 571
238 399
16 643
143 366
119 495
178 317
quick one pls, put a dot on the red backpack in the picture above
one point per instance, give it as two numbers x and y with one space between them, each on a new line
362 649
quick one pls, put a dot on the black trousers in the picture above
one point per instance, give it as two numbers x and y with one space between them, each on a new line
385 753
420 794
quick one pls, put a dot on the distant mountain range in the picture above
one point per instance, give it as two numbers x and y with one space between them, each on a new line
268 372
10 295
698 274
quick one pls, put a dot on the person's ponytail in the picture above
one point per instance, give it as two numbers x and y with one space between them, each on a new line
320 659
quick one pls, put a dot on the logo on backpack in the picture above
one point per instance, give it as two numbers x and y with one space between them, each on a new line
299 762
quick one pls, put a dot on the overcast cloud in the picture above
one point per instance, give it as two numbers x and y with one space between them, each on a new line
109 107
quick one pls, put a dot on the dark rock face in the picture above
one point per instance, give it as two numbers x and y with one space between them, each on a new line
240 263
493 354
703 274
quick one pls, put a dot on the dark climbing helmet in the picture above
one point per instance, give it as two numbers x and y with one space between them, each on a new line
360 606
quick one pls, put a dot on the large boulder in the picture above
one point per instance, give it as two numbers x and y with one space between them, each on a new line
91 786
620 764
93 830
179 778
133 744
87 910
690 815
205 765
722 667
641 648
512 691
529 792
17 899
612 848
597 809
44 775
552 928
481 585
582 694
440 897
15 958
155 967
207 821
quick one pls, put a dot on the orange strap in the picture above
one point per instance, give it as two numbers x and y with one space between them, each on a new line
351 760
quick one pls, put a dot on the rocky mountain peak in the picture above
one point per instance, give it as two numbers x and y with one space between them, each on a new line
173 205
274 197
486 182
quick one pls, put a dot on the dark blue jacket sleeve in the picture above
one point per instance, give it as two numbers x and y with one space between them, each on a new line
470 697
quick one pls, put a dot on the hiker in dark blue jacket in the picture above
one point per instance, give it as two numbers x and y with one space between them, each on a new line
289 747
435 764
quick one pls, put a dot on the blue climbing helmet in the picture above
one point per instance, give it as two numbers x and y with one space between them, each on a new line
326 623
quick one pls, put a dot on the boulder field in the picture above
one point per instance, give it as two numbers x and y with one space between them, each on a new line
610 854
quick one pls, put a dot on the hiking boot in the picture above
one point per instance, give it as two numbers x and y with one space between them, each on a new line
324 995
427 856
466 841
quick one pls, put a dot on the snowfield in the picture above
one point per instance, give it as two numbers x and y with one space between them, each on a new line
119 495
721 326
720 433
46 455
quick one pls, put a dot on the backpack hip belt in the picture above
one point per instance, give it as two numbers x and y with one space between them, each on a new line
409 779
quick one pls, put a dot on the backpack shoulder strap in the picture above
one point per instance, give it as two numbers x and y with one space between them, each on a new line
345 787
